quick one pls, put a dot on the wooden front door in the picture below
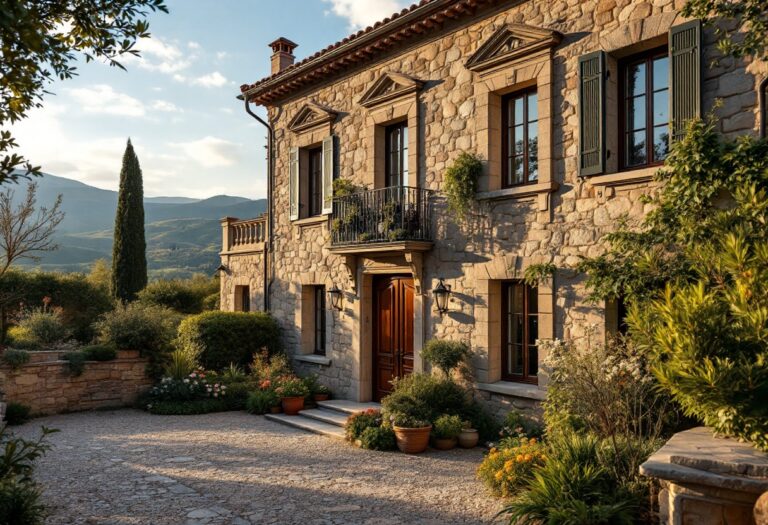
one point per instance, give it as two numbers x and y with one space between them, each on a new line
392 332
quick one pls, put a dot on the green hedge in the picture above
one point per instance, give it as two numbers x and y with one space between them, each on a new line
187 296
81 301
222 338
187 408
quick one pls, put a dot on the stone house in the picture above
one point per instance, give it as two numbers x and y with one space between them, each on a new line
569 104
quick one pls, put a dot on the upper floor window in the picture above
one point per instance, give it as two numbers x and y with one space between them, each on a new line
520 330
396 154
315 186
644 90
520 139
319 311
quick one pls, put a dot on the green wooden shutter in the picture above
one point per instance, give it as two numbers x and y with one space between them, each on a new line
328 174
293 182
685 75
592 113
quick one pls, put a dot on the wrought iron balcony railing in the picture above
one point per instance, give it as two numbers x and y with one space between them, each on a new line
397 213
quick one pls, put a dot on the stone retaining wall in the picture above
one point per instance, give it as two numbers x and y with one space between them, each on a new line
47 387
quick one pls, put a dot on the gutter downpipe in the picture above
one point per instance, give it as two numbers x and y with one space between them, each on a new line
268 246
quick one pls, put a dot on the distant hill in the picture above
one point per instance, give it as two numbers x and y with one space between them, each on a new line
183 234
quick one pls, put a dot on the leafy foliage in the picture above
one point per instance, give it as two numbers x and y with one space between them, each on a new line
222 338
149 329
536 273
506 470
186 296
753 14
75 362
17 455
378 438
445 355
42 327
261 401
357 423
20 503
78 299
99 352
573 487
447 427
460 184
129 247
40 40
187 408
17 413
15 358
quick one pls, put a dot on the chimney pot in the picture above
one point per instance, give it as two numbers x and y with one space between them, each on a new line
282 54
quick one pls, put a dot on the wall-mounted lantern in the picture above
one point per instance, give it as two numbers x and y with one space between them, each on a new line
441 293
336 296
221 270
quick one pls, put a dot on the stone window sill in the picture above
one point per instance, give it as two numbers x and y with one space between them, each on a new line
311 221
625 177
312 358
518 192
508 388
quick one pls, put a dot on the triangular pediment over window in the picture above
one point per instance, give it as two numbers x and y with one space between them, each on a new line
310 115
512 41
389 86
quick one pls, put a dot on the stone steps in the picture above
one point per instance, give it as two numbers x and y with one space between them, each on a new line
328 419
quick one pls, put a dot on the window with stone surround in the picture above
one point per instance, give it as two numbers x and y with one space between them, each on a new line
315 182
644 109
312 319
520 138
396 154
520 330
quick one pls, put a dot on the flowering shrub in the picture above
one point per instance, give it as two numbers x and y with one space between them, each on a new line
506 470
291 386
357 423
190 388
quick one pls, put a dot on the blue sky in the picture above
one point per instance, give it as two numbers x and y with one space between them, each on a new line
177 103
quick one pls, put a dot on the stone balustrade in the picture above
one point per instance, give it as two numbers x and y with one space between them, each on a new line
243 236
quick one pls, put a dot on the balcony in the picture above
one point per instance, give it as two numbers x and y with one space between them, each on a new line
398 218
243 236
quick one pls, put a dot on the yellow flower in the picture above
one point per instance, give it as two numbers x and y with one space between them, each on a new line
528 457
532 441
519 458
499 475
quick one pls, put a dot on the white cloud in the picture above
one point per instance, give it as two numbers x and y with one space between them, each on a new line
164 105
211 152
221 55
226 110
363 13
158 55
214 79
102 99
193 45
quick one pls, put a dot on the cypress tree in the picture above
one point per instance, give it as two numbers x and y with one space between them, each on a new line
129 257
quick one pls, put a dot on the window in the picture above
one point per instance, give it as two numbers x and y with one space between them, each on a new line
520 142
242 299
520 330
319 310
315 186
644 90
616 317
396 155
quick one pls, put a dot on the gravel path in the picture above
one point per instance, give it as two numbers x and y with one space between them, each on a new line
129 467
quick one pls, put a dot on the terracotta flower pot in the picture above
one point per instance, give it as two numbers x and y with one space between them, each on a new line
412 440
276 409
322 397
292 405
445 443
469 438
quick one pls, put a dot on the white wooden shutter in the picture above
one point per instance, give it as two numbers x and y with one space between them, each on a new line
293 182
328 174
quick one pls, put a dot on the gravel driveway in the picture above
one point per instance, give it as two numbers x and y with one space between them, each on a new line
129 467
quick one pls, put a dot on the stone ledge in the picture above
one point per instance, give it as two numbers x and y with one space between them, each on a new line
311 221
312 358
518 192
696 457
508 388
625 177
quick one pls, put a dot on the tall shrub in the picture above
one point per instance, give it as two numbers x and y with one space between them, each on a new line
129 258
223 338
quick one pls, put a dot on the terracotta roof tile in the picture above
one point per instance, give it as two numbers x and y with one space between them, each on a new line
346 40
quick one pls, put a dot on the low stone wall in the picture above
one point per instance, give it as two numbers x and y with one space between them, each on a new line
46 385
707 480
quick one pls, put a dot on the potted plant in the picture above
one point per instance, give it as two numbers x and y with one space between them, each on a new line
292 392
411 433
446 430
468 437
322 393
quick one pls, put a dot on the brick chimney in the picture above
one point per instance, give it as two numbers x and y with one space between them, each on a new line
282 54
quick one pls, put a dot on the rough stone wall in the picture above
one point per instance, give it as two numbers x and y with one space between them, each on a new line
47 387
580 212
245 269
